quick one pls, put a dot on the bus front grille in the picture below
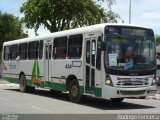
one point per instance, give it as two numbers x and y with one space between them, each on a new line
132 92
132 81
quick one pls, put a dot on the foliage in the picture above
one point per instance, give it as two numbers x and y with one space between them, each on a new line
10 28
158 40
57 15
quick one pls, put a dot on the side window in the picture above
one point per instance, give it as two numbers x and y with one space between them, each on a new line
13 52
23 51
6 52
75 46
93 52
33 50
60 48
98 57
88 52
41 49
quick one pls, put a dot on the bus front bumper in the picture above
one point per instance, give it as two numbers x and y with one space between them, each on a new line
117 92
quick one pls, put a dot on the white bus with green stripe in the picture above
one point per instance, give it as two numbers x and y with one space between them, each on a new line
91 60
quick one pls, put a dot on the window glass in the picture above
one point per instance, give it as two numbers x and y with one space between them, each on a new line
88 52
60 48
93 78
87 76
98 58
41 49
33 50
6 52
13 52
23 51
130 53
75 46
93 52
48 51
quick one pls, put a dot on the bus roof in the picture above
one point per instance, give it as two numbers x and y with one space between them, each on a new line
81 30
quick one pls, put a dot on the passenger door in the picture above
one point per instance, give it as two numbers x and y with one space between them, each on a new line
93 72
90 64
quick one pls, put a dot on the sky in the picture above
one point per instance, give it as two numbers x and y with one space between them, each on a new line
143 12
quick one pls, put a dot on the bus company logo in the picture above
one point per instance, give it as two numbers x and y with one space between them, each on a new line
12 66
36 79
7 67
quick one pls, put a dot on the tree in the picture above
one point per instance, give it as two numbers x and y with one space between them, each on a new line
158 40
10 28
57 15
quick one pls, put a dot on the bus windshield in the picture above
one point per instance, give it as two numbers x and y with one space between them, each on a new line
133 50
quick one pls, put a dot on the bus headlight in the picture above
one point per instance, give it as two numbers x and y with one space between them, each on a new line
108 81
154 82
157 78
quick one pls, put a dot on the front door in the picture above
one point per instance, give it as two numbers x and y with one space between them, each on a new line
90 64
48 49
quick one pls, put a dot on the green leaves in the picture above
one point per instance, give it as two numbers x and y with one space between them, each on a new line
57 15
10 28
158 40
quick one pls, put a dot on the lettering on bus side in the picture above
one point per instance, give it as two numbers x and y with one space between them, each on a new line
12 66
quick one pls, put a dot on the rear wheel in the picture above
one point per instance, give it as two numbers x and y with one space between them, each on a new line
117 99
74 91
23 84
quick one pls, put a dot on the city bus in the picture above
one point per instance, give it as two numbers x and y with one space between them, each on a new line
111 61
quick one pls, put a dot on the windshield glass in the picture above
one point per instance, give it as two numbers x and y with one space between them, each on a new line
130 53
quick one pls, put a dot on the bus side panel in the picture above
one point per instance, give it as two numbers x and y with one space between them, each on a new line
13 69
62 69
10 71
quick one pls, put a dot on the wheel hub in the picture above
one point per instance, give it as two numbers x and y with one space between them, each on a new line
74 91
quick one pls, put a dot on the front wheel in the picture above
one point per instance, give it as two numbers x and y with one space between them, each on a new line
74 91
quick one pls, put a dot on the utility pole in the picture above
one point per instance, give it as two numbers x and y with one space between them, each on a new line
130 11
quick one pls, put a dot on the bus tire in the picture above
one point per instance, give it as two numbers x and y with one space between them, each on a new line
117 99
23 83
74 91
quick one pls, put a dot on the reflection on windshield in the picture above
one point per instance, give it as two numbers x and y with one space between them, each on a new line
130 53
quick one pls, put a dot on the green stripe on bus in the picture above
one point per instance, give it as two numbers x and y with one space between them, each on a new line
57 86
11 80
15 80
98 92
81 90
94 91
